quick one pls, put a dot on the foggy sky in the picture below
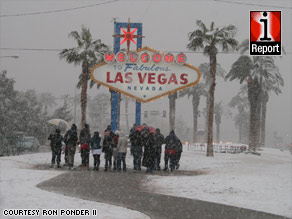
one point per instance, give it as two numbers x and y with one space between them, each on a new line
166 25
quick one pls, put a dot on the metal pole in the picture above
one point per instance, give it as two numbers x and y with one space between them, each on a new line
138 104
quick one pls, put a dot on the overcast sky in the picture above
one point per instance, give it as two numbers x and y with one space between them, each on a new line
166 25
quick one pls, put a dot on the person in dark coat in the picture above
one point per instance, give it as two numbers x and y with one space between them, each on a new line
85 139
158 141
149 151
179 149
137 149
96 150
171 142
132 132
56 146
115 153
107 147
71 139
66 157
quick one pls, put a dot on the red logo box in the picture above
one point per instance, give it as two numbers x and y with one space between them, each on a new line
265 33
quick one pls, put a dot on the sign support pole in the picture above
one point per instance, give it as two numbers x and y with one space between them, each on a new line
114 94
138 104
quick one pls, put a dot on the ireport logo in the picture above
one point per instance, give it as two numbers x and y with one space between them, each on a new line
265 33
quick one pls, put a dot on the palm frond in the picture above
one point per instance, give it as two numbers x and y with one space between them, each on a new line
243 46
241 69
212 25
71 56
196 44
77 37
201 25
196 33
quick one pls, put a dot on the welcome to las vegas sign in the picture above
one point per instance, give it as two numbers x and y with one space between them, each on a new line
145 74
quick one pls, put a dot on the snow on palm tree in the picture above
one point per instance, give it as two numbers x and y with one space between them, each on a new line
209 40
88 53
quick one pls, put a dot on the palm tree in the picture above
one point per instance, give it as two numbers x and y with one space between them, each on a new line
88 53
219 111
240 101
266 86
195 92
47 100
172 98
209 40
258 72
205 69
272 84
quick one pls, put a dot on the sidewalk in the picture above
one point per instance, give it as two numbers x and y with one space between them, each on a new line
125 189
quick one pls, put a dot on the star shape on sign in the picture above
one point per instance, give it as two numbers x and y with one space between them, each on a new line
128 36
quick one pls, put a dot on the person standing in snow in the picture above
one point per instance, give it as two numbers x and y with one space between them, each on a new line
96 150
179 149
158 141
56 146
71 139
115 152
171 145
132 131
149 152
107 147
122 151
137 148
85 139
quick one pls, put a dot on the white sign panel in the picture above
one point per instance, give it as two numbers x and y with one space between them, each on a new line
145 81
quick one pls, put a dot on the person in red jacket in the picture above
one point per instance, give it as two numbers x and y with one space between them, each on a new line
85 139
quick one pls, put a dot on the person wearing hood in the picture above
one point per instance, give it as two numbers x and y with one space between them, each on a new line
132 133
56 146
137 149
96 150
171 145
71 139
149 152
85 139
107 147
158 141
122 151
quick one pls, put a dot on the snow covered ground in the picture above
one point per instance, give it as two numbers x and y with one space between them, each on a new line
18 190
261 183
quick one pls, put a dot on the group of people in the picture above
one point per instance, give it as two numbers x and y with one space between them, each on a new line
146 148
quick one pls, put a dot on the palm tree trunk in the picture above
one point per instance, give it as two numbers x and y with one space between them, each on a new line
172 98
83 99
240 133
253 94
126 110
206 119
210 152
253 127
263 120
217 132
259 110
196 102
